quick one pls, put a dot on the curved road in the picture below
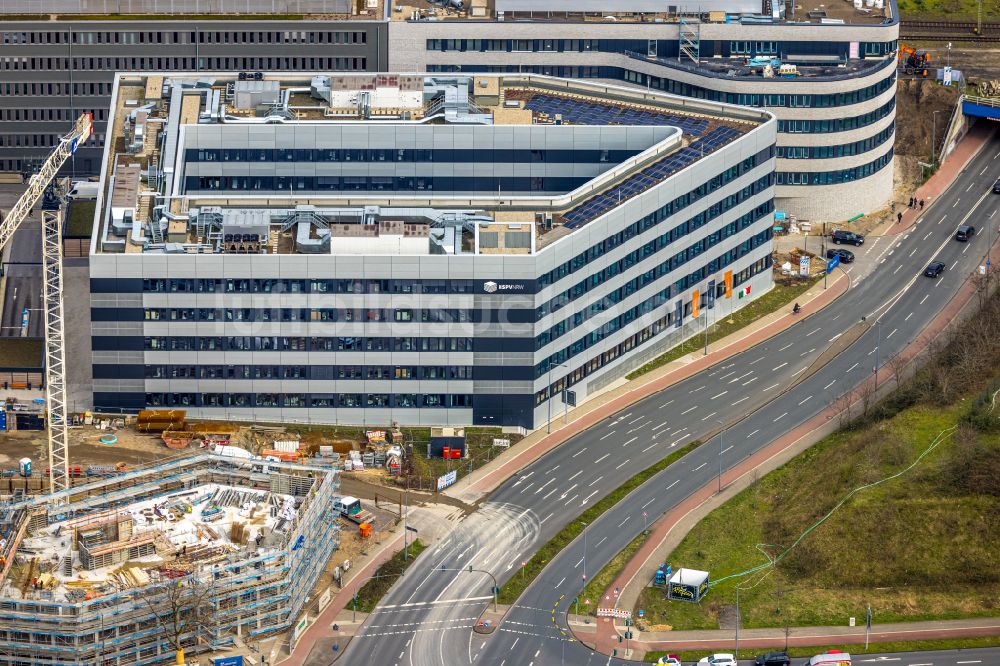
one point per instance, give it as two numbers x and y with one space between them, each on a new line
426 618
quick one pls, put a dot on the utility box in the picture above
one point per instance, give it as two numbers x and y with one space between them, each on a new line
251 94
450 439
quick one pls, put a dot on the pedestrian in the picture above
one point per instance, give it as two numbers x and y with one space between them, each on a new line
899 217
921 204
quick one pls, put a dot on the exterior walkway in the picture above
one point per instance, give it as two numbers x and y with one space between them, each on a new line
673 526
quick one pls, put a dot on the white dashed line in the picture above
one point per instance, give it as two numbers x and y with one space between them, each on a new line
690 409
779 367
601 458
924 299
805 401
718 395
786 346
853 366
770 387
699 467
623 464
780 417
830 384
753 433
741 400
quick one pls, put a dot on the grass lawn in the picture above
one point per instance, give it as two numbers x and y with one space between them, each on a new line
853 649
384 578
81 219
510 592
919 547
784 292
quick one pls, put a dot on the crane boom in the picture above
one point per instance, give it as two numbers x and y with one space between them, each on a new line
38 182
55 350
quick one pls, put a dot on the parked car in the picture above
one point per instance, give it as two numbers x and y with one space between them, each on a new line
718 660
965 232
847 237
934 269
846 256
773 659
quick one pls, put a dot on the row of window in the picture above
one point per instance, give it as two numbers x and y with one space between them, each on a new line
429 315
656 217
213 64
317 372
49 114
663 48
294 286
196 36
96 89
288 400
385 183
842 150
670 320
20 140
828 125
666 267
300 343
659 299
834 177
445 155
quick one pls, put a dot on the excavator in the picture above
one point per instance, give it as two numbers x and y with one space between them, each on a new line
914 62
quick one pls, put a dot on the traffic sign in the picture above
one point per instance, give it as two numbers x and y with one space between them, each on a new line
642 613
832 263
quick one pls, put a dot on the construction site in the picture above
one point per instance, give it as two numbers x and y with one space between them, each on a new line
165 561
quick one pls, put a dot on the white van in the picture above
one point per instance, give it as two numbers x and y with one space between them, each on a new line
84 189
832 658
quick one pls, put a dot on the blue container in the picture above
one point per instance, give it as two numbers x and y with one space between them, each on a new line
24 467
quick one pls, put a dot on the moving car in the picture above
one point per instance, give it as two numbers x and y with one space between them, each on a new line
848 237
934 269
669 660
831 658
996 187
846 256
965 232
773 659
718 660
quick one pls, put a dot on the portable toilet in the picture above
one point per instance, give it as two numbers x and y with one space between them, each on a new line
24 467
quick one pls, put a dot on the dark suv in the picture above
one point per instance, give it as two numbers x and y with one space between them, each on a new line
996 187
965 232
846 256
848 237
773 659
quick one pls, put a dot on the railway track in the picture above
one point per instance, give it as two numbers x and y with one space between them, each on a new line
987 39
948 26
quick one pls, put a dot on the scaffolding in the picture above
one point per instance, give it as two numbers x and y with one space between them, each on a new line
253 589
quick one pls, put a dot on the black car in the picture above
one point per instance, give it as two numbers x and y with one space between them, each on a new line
846 256
934 269
847 237
773 659
965 232
996 187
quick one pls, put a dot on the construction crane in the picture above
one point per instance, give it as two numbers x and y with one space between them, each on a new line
55 351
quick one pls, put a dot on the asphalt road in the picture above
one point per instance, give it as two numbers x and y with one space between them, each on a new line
24 281
986 656
426 617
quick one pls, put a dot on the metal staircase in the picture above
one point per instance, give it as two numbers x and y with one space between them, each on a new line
689 38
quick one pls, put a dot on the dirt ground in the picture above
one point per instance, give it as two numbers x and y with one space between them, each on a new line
86 448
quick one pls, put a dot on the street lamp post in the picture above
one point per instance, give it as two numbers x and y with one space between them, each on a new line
548 390
584 550
722 433
878 343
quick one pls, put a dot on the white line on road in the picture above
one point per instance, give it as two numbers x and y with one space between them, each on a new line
779 367
579 452
741 400
589 485
587 498
953 265
608 435
914 252
981 173
725 449
630 441
805 401
890 335
548 493
808 352
928 235
548 516
727 374
749 381
835 337
811 332
624 521
853 366
655 428
698 389
651 446
559 584
575 475
974 661
830 384
971 185
780 417
733 381
636 419
699 467
623 464
770 387
966 249
957 201
924 299
908 317
689 409
756 361
897 269
665 404
709 416
672 485
719 395
786 346
648 503
602 458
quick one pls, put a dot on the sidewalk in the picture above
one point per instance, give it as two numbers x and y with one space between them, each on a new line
806 636
484 480
673 526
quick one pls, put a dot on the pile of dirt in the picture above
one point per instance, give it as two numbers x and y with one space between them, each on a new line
916 102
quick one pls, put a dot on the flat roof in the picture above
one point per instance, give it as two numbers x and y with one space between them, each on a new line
542 156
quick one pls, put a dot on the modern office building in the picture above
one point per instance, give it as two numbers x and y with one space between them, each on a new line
443 250
827 70
52 71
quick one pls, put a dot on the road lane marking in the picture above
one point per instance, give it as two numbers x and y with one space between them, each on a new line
971 185
897 269
624 521
779 367
914 252
924 299
908 317
928 235
957 201
699 467
753 433
697 389
890 335
981 173
579 452
574 476
570 489
709 416
570 500
757 361
690 409
651 446
559 584
853 366
623 464
830 384
733 381
601 458
811 332
655 428
749 381
953 265
589 485
665 404
966 249
835 337
548 516
648 503
672 484
740 400
808 352
725 449
727 374
636 419
587 498
786 346
805 401
630 441
770 387
780 417
548 493
719 395
608 435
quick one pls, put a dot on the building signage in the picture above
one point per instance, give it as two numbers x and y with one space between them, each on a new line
695 302
228 661
447 479
507 287
804 262
300 628
729 284
324 599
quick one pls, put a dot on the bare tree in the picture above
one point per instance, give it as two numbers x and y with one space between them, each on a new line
897 366
843 407
185 608
866 395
